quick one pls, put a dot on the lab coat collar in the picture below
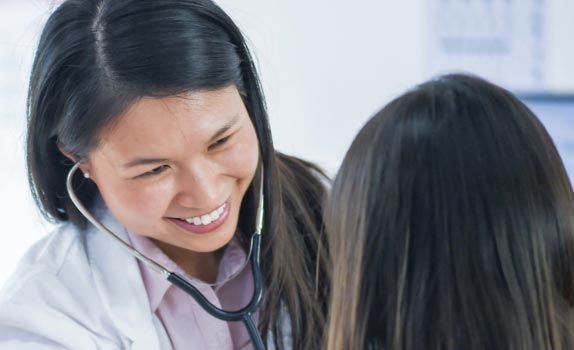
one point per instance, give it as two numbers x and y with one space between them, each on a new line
119 283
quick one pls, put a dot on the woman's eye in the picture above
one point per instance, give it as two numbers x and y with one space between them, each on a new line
219 143
154 171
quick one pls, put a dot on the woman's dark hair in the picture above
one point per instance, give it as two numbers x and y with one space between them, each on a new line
451 226
96 58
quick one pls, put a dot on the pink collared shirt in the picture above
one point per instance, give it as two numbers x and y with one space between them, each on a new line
186 323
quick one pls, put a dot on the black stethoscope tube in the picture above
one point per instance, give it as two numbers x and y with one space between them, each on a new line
243 314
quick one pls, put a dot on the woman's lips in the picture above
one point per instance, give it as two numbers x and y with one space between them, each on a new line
205 228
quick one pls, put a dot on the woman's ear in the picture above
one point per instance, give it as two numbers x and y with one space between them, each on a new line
84 166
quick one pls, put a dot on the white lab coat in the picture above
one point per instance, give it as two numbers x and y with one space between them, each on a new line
81 290
78 290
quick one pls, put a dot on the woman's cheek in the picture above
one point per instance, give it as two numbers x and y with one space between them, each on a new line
139 204
242 159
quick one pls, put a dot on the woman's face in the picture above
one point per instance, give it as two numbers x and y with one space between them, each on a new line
176 169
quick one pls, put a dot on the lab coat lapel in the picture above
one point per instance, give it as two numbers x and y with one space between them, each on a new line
119 283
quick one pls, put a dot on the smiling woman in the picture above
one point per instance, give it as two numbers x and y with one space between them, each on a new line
160 104
175 169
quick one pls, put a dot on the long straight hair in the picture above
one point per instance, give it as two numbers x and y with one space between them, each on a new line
96 58
451 226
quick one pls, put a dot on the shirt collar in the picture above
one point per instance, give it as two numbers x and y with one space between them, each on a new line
233 261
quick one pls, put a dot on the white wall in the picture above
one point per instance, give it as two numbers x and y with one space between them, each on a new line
326 67
21 223
560 47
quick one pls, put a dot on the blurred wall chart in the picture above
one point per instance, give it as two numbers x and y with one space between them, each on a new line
522 45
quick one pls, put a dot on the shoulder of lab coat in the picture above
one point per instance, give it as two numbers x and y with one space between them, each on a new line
78 290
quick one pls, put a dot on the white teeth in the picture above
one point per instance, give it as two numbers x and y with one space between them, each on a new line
207 218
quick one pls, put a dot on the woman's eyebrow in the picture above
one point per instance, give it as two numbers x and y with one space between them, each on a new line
143 161
224 128
147 161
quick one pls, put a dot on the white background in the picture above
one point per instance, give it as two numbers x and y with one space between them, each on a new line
326 67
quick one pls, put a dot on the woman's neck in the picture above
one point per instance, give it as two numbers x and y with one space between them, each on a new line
203 266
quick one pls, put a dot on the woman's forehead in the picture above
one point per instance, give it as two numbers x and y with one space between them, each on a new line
174 121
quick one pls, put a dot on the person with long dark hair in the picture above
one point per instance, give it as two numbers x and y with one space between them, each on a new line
159 105
451 226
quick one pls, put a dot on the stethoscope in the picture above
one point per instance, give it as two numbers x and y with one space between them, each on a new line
243 314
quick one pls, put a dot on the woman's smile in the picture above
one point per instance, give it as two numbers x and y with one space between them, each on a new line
207 222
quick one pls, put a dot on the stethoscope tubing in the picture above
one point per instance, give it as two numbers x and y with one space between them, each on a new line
243 314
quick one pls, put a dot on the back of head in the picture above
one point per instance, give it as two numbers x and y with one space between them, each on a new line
452 227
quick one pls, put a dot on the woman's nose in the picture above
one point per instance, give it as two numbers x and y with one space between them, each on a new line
200 187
